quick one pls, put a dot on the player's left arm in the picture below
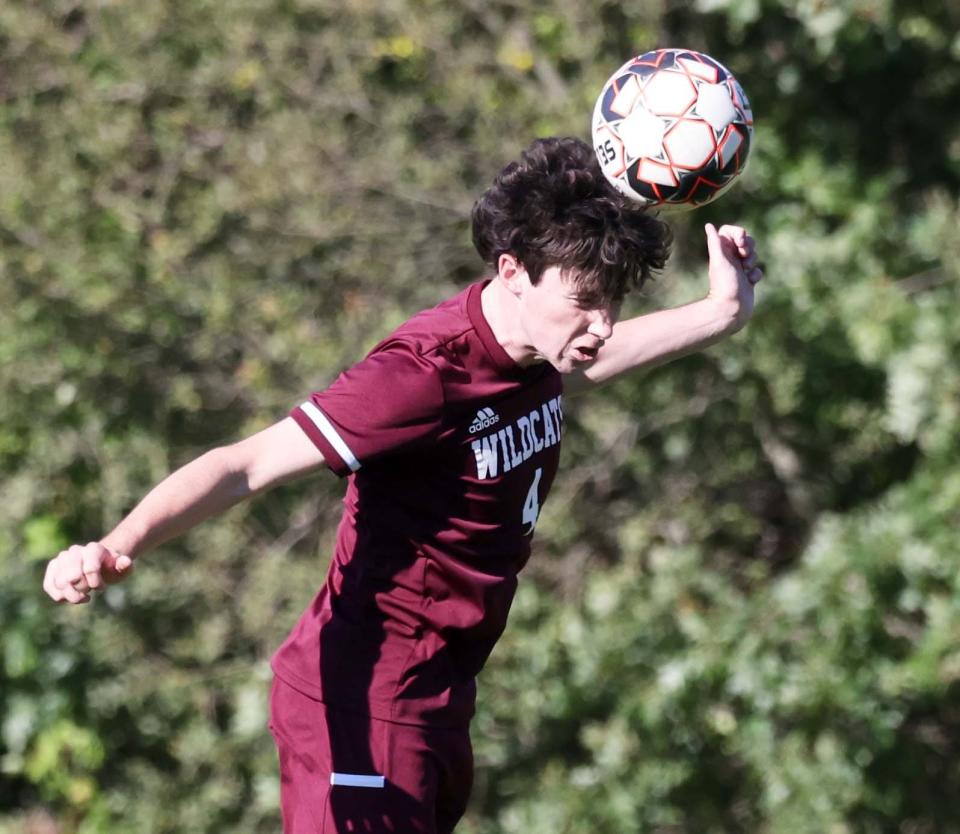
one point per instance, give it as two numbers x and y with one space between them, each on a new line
656 338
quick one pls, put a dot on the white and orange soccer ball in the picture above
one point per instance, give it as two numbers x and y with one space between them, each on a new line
672 128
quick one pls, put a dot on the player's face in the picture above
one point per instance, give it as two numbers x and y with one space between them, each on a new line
558 327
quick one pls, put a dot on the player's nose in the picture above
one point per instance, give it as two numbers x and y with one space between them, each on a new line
601 324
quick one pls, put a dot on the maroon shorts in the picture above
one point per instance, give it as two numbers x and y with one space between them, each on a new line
342 772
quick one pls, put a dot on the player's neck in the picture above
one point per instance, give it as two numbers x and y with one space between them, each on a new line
501 310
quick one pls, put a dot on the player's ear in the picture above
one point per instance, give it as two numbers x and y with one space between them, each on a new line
512 273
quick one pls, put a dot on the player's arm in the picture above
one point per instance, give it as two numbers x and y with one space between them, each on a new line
656 338
202 488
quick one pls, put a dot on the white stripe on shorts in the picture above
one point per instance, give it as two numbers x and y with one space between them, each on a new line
319 419
356 780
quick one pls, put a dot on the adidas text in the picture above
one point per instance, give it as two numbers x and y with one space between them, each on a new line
485 418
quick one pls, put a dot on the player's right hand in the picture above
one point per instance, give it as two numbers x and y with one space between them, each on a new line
73 573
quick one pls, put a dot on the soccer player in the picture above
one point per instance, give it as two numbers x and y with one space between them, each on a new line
449 433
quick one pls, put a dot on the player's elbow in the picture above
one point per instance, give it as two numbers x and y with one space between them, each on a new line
235 473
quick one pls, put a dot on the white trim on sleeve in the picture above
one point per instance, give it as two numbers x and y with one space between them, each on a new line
319 419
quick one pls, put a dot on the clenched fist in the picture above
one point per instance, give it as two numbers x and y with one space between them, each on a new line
74 572
734 271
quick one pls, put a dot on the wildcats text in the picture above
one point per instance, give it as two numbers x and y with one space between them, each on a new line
510 446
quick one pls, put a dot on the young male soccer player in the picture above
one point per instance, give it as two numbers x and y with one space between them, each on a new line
449 431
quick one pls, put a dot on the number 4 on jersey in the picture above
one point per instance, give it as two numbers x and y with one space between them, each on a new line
531 507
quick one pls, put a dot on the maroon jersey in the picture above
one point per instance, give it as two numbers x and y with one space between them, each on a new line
451 448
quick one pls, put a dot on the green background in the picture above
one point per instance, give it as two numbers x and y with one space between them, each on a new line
743 612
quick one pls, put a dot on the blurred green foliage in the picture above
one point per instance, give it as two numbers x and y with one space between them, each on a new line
744 609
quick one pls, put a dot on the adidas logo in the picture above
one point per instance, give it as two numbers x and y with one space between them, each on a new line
485 418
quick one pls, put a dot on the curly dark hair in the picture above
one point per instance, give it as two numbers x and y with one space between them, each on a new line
553 207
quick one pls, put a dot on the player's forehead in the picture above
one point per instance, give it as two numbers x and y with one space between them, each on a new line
558 279
582 286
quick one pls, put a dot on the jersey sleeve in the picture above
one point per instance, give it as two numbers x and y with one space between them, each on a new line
390 400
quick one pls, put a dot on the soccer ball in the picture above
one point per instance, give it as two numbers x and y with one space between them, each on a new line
672 128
